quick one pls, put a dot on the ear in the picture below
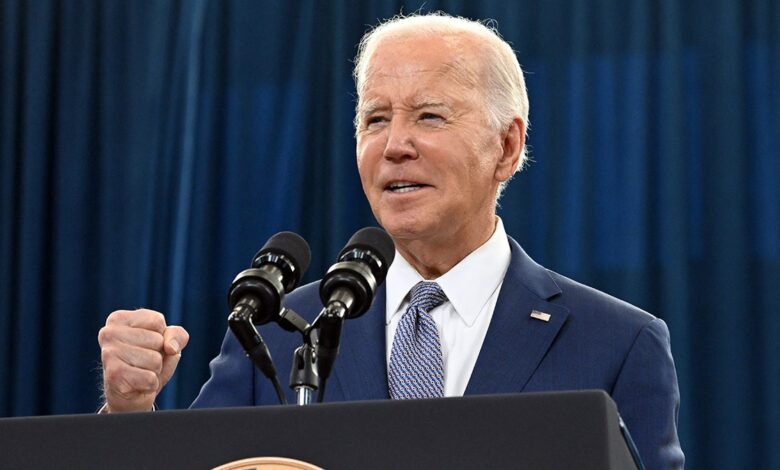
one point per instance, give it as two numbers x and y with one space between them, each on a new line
512 144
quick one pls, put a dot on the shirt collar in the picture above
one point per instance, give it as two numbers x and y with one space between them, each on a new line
468 285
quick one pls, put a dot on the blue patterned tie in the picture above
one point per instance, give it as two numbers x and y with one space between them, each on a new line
416 365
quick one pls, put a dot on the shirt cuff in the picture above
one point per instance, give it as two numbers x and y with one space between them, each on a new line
104 409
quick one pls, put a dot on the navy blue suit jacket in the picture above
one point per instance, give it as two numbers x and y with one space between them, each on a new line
592 341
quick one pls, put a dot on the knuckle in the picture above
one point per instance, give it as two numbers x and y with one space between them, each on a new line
130 383
148 381
108 334
157 341
107 355
157 319
150 319
112 374
133 357
156 363
117 316
104 335
180 334
124 389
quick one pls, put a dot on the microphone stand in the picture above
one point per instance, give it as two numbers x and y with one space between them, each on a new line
304 378
329 323
313 361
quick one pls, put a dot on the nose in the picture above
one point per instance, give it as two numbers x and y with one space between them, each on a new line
400 141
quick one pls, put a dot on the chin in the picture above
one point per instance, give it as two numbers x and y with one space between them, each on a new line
410 222
397 226
407 230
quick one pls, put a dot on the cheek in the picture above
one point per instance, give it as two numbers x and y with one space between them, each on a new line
488 154
365 150
361 160
365 170
364 176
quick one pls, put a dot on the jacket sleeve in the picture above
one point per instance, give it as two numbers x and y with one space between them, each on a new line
232 381
648 397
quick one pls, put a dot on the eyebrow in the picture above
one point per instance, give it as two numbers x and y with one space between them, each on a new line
429 103
374 106
371 107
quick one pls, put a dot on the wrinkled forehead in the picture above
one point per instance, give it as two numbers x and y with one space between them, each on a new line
452 58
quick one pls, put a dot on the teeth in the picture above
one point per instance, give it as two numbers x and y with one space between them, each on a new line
403 187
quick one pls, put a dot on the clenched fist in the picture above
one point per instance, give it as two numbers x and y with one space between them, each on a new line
139 353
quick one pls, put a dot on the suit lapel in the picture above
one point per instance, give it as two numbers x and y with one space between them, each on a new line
361 367
514 346
516 342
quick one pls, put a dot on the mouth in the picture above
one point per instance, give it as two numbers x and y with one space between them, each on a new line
401 187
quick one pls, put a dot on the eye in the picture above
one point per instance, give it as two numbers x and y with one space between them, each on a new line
374 120
431 117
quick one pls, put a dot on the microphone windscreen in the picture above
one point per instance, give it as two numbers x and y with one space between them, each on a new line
375 240
291 245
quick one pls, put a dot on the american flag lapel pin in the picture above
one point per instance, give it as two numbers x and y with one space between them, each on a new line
540 315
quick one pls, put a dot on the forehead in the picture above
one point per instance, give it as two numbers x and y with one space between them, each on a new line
421 65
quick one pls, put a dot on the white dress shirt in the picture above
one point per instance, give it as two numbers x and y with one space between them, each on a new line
472 288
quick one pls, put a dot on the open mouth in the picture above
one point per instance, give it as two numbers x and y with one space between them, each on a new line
400 187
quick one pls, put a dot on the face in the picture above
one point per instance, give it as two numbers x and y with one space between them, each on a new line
429 162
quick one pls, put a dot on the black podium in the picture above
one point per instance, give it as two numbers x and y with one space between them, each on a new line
529 431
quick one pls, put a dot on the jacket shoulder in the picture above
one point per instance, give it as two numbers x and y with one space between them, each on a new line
583 300
586 305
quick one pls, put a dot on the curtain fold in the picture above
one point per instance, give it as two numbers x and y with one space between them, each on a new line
148 149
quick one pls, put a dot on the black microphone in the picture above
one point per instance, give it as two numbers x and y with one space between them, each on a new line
276 269
348 288
361 268
256 294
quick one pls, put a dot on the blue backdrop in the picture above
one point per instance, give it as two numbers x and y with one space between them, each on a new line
147 149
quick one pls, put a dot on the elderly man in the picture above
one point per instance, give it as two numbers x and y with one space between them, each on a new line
441 121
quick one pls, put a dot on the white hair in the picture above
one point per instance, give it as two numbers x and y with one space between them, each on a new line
504 86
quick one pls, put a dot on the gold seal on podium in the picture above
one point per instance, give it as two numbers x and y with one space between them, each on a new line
267 463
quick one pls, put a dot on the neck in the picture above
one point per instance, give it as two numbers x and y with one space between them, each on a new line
434 257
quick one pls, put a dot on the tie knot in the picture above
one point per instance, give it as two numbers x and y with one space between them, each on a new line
426 296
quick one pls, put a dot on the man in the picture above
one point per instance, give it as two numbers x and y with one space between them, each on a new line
441 121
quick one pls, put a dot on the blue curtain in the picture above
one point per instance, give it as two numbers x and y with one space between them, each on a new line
147 149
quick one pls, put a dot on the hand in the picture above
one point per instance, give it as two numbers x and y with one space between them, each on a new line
139 353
